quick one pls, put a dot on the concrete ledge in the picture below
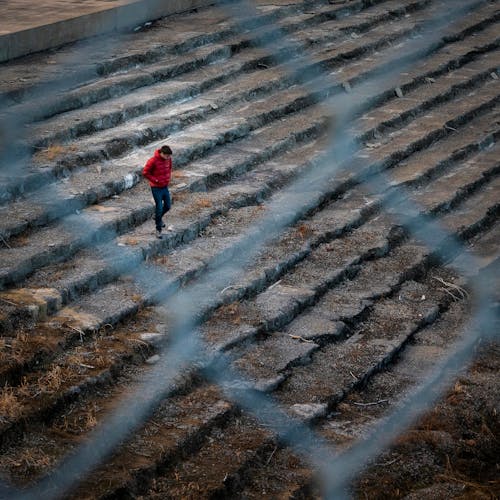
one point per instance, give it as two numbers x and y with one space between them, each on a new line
78 27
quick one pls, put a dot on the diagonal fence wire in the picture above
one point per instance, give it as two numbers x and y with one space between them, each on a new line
182 352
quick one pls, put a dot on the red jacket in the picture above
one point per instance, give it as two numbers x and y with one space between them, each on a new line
158 170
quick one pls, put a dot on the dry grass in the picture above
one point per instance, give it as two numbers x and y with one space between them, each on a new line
76 358
79 421
105 330
24 346
90 420
54 151
456 395
471 489
77 362
95 356
53 380
181 196
417 437
230 312
9 404
131 241
30 342
303 231
19 241
202 202
30 460
432 421
161 260
198 203
24 389
101 361
22 338
179 175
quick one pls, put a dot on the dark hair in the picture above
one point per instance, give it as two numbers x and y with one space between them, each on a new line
166 150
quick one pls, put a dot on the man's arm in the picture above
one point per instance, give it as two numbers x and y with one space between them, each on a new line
169 170
147 170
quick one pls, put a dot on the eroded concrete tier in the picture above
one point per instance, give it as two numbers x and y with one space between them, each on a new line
336 318
29 27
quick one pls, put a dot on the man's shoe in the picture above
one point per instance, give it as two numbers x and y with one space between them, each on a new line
158 234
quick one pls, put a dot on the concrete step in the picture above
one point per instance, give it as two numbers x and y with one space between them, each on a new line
443 123
343 291
368 345
89 188
109 149
91 271
166 47
376 349
482 252
231 477
357 414
302 286
106 55
244 433
163 95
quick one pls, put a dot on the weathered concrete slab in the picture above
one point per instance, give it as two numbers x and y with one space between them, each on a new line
29 27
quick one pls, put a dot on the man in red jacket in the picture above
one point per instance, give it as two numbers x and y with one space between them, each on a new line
158 171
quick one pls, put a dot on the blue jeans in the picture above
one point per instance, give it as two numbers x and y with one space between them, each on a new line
162 204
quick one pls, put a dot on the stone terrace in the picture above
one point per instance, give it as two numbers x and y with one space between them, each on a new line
327 306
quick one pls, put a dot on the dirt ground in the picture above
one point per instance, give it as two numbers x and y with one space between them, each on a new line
453 451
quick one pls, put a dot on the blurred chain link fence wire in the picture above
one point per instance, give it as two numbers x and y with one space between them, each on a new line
185 350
